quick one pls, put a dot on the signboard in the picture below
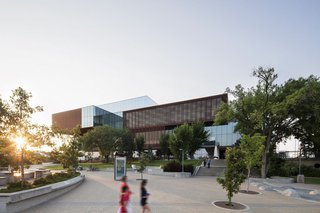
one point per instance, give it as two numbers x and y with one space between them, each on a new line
119 168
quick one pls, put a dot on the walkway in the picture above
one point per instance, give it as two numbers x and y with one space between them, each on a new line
99 193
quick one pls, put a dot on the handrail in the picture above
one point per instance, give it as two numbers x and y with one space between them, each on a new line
196 170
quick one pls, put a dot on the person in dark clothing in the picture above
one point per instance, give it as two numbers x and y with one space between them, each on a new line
209 162
144 197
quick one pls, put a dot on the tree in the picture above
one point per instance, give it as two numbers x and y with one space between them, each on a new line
301 106
8 153
101 137
255 111
15 122
252 149
234 173
200 135
126 143
139 144
143 161
164 145
70 150
179 141
4 117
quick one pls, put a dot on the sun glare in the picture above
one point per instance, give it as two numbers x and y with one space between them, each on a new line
20 141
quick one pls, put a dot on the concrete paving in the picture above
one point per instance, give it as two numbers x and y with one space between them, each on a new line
100 193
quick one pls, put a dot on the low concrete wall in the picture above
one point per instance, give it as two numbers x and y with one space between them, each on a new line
160 172
3 181
19 201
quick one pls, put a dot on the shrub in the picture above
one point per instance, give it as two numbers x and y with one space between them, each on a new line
310 171
290 169
189 168
17 185
40 181
57 177
174 166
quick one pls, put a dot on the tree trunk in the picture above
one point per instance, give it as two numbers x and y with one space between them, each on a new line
264 164
229 201
22 168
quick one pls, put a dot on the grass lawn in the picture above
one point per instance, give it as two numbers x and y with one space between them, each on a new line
158 163
312 180
103 166
100 166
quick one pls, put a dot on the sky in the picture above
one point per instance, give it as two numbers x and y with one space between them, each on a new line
74 53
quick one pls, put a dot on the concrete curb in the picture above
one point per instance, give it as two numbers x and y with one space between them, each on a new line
19 201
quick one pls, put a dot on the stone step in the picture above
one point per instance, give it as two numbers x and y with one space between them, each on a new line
212 171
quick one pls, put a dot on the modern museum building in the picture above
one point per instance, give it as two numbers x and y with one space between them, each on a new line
143 116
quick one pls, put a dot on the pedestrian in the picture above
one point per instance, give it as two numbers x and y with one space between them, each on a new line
124 198
204 162
125 183
144 197
209 162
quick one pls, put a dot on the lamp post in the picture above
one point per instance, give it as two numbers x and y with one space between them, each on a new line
300 177
182 159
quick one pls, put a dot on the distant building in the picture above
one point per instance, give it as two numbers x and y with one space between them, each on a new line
143 116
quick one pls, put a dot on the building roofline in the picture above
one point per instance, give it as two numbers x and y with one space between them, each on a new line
66 111
127 100
180 102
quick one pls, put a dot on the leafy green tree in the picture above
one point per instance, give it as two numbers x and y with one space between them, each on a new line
70 150
126 143
301 106
164 145
15 121
54 155
256 111
143 161
200 135
4 117
102 138
179 141
8 153
139 144
252 148
234 174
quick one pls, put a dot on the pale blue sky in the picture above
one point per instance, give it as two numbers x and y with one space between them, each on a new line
72 53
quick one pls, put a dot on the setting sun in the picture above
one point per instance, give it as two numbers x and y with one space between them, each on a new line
20 141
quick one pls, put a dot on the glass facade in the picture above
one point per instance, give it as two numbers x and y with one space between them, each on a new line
87 114
108 119
111 114
129 104
95 116
224 135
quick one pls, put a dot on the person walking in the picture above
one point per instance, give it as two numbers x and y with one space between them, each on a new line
124 183
209 162
124 198
144 197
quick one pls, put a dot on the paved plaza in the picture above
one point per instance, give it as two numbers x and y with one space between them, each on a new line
100 193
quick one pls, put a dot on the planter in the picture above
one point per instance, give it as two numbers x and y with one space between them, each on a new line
3 181
20 201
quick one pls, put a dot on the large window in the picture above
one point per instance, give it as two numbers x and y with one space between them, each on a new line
224 134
